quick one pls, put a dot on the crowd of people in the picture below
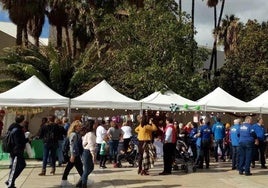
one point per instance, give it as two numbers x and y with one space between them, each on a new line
96 142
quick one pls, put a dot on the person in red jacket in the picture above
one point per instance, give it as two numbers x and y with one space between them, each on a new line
169 146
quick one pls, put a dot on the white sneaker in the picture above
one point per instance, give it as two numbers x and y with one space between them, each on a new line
90 182
65 183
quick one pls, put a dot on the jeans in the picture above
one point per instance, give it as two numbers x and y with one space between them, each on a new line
113 149
218 143
98 147
49 149
235 157
78 165
88 165
245 156
60 155
205 149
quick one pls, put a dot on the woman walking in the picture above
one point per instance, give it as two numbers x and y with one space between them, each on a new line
145 130
89 141
75 151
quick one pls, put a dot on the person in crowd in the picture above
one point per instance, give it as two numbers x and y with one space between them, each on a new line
169 146
247 138
75 152
259 150
187 129
192 140
227 142
42 125
127 133
205 133
144 130
218 131
16 154
27 135
89 141
104 150
1 125
49 133
199 152
234 138
66 124
114 133
61 137
100 134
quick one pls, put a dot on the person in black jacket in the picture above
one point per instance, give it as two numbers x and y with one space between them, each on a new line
50 135
16 154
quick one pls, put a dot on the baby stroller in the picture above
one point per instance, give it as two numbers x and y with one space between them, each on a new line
130 156
183 160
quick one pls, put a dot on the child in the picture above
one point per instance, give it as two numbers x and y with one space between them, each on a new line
103 152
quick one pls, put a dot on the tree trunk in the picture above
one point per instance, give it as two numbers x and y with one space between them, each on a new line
19 35
59 36
26 40
69 48
193 49
180 9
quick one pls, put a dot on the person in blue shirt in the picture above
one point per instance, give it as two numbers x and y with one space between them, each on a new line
193 139
247 138
218 130
234 133
205 134
260 148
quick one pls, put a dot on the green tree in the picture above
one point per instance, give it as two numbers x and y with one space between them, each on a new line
147 46
244 74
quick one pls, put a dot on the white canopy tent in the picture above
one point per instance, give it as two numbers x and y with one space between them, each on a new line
32 93
261 101
221 101
104 96
159 101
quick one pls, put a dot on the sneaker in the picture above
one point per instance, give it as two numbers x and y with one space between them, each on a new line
65 183
90 182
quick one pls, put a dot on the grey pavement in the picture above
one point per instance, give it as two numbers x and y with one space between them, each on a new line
218 175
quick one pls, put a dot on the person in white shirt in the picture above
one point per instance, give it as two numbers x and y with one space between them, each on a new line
127 133
89 141
100 134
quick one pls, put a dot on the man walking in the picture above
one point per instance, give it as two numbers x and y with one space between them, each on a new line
16 154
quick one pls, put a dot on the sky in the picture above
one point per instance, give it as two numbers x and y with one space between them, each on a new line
204 16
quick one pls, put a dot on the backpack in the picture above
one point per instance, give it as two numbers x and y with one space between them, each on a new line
8 142
66 150
50 134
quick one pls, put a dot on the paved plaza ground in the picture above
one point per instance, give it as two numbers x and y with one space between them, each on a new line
219 175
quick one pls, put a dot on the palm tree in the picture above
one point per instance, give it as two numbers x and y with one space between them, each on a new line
227 33
36 22
19 12
57 13
55 68
213 4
